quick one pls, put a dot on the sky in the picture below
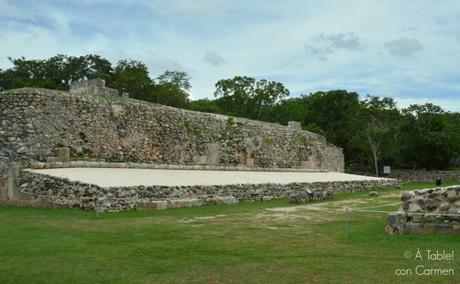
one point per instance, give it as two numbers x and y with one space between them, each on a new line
408 50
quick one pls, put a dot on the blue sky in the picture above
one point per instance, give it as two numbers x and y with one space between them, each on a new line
409 50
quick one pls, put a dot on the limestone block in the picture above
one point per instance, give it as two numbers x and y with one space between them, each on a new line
305 165
3 188
116 110
456 229
212 157
428 228
413 228
200 160
443 228
396 222
63 154
295 125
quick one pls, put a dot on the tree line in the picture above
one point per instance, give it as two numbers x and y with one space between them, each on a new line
371 130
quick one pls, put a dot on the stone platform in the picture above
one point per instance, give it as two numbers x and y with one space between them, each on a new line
115 177
116 189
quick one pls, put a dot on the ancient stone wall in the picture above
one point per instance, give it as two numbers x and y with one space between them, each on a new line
435 210
424 176
44 188
36 124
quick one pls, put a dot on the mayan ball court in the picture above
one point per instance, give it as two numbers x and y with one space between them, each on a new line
94 148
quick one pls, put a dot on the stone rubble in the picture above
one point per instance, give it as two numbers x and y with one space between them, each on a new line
434 210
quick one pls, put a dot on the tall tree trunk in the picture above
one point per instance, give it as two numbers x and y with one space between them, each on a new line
376 163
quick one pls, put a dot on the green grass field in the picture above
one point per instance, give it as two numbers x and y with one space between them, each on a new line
248 243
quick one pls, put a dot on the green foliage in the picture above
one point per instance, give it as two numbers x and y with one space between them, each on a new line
300 138
372 131
293 109
130 76
313 127
244 96
270 142
205 105
56 72
430 137
60 143
133 77
192 129
336 113
172 88
230 131
219 244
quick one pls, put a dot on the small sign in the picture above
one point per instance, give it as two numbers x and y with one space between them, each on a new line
387 170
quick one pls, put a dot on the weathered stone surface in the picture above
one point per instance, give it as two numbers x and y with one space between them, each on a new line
93 86
424 176
63 154
310 195
412 228
35 122
396 222
40 187
266 198
426 211
439 200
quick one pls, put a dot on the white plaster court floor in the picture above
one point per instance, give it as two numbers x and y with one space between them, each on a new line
106 177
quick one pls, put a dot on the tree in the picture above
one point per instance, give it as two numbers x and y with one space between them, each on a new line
429 139
246 97
132 76
381 118
293 109
173 89
88 67
375 133
56 72
205 105
337 113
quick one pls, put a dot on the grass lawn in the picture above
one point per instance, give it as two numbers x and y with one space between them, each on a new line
259 242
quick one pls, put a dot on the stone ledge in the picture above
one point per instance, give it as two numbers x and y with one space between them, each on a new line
93 164
92 197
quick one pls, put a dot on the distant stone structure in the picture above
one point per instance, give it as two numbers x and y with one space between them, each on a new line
95 87
295 125
435 210
87 126
47 126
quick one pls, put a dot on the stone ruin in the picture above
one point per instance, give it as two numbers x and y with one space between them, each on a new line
42 128
95 87
296 125
427 211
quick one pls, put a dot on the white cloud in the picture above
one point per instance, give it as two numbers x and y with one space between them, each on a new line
403 46
258 38
10 11
213 58
323 45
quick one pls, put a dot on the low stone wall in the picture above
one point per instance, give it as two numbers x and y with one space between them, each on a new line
75 194
427 211
423 175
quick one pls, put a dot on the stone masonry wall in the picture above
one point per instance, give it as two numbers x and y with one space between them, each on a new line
41 187
435 210
35 123
424 176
